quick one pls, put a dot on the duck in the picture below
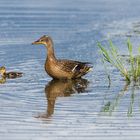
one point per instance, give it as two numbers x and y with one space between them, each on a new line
61 68
9 75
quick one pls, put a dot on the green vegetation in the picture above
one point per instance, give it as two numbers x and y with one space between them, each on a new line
131 71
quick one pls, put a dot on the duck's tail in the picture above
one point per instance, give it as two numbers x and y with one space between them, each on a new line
86 68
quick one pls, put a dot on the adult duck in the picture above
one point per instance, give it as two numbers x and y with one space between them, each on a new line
62 68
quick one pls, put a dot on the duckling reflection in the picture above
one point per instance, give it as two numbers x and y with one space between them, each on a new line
61 88
2 80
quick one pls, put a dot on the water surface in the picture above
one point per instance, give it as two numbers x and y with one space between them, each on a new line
34 106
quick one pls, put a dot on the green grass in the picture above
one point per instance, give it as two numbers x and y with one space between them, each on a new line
130 72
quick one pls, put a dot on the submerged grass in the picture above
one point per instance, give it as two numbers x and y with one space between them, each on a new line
110 55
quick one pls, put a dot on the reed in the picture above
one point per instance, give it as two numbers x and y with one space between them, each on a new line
110 55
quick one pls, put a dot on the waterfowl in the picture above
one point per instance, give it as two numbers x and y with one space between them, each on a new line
62 68
9 75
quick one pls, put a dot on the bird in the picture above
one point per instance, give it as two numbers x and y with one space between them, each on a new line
61 68
9 75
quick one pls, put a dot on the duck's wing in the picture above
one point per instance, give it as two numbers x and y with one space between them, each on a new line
75 67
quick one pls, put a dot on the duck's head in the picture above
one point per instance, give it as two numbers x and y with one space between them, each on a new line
45 40
2 70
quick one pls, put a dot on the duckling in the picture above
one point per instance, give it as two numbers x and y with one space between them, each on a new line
10 75
62 68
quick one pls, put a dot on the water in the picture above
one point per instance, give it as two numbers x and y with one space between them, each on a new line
34 106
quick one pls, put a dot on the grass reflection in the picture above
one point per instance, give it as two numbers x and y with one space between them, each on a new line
130 108
110 106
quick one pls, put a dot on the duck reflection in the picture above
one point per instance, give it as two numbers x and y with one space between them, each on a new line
61 88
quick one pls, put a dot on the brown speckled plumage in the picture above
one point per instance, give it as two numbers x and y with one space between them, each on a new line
62 69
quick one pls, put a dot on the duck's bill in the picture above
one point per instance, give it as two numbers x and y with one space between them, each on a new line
36 42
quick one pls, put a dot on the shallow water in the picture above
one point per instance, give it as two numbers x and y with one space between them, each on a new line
34 106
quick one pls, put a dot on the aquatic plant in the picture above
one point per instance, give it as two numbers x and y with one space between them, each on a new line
130 72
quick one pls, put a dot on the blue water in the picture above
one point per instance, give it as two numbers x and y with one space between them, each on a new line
34 106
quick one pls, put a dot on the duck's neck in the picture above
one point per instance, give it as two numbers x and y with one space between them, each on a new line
50 51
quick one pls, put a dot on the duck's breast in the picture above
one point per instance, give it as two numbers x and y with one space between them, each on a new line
54 70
